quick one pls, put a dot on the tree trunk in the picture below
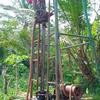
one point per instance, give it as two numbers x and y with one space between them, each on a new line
84 65
5 81
5 84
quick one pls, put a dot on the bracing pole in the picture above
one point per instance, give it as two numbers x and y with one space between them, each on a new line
38 57
30 85
48 50
57 50
43 56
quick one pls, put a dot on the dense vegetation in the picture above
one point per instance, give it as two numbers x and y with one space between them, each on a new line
80 63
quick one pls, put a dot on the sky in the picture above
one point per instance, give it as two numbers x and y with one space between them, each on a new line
8 2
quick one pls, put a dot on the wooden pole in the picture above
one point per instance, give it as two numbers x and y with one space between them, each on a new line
42 56
57 50
29 92
38 57
48 50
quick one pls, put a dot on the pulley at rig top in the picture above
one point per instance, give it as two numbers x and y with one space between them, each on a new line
41 15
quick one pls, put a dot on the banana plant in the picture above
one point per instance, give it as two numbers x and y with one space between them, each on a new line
73 12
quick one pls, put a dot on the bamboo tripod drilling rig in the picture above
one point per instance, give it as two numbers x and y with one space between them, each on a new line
42 17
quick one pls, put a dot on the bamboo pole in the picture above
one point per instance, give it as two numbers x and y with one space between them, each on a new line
38 59
73 35
29 92
43 56
48 50
81 44
57 50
